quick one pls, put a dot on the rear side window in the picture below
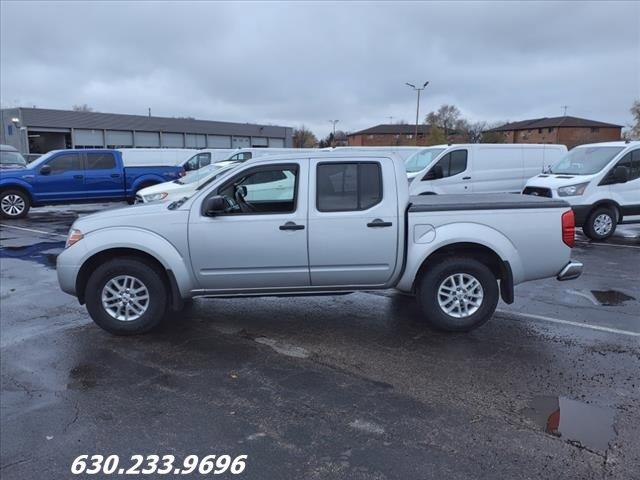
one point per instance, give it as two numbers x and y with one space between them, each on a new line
348 186
65 163
100 161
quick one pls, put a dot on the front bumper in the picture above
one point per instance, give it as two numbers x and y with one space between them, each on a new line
570 271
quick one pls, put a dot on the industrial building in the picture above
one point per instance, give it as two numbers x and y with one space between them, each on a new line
38 130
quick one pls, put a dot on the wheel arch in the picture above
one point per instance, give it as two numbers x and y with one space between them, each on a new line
608 203
23 187
499 267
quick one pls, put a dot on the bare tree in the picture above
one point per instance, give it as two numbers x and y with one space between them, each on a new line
633 132
446 118
82 108
304 138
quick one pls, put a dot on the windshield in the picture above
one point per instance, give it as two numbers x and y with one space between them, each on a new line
196 175
586 160
420 160
12 158
42 158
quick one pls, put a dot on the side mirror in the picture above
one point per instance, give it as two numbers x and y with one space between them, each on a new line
215 205
45 170
621 174
434 173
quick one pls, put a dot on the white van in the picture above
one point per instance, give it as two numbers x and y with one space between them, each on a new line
207 156
601 181
243 154
479 167
142 157
402 152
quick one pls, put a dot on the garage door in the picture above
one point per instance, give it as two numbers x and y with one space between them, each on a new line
241 142
276 142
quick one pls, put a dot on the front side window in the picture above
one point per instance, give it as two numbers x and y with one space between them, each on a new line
348 186
585 160
262 190
632 161
100 161
64 163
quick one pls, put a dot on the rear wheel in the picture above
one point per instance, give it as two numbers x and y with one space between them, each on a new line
601 224
458 294
14 204
127 296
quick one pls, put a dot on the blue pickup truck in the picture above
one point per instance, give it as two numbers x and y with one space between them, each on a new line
76 176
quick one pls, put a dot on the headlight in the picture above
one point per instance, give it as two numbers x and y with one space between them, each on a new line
74 237
572 190
154 197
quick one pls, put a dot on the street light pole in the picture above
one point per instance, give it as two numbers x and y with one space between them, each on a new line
334 130
417 89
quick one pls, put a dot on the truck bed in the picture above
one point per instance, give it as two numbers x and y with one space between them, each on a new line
480 201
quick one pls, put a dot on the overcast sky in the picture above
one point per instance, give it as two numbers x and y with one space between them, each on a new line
291 63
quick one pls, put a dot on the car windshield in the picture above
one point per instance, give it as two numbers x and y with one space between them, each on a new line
42 158
11 158
420 160
585 160
197 175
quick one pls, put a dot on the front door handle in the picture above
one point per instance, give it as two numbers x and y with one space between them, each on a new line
291 226
378 223
466 178
115 175
78 177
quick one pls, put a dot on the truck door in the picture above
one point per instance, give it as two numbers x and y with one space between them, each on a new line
353 222
103 176
260 243
60 178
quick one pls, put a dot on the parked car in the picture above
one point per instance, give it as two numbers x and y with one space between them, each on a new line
182 187
10 157
76 176
601 181
345 223
479 167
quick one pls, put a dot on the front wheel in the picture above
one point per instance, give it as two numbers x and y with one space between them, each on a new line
14 204
127 296
458 294
601 224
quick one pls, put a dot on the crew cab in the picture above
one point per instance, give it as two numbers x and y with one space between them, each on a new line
337 223
76 176
601 182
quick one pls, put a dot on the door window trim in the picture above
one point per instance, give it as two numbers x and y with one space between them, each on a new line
295 167
366 162
63 154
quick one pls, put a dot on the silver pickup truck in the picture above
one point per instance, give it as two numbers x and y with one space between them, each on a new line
325 223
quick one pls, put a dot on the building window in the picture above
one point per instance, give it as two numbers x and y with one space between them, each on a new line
550 129
539 130
370 137
595 129
409 135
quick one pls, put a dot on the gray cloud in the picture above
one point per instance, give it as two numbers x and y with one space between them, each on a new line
293 63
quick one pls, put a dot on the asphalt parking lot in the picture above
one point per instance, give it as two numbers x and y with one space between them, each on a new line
351 386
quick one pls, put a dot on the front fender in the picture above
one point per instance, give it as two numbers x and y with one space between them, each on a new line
17 183
420 247
133 238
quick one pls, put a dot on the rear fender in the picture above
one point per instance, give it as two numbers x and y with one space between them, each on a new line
420 248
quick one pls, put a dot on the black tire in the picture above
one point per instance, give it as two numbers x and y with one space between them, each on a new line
428 294
14 204
149 275
594 227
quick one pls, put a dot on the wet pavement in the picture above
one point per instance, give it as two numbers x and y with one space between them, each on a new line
343 387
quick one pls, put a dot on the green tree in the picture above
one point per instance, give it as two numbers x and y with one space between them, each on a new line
446 118
436 136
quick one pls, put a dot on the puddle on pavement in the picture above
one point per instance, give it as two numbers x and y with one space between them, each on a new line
611 298
38 252
578 423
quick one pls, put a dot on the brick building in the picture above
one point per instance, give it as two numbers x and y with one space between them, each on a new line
389 134
569 131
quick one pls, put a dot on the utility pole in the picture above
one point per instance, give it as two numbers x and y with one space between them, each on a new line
390 117
564 108
149 112
417 89
333 139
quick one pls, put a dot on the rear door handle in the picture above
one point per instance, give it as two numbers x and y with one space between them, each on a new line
115 175
378 223
291 226
466 178
78 177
